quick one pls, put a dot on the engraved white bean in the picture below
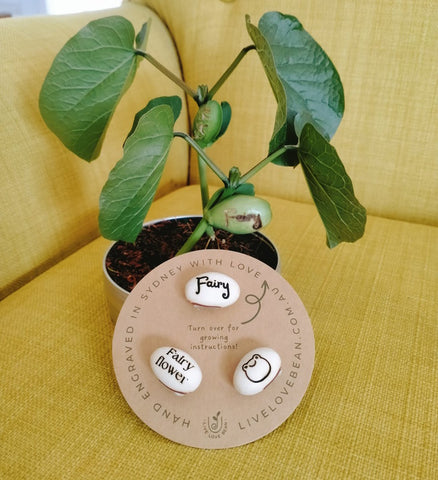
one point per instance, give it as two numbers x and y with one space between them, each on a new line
240 214
212 289
256 370
176 369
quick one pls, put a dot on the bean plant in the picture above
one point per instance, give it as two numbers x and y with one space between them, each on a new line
96 66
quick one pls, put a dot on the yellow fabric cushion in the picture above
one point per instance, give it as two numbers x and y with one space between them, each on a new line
370 410
384 53
49 197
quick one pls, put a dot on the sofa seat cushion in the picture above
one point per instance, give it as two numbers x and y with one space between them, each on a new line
370 410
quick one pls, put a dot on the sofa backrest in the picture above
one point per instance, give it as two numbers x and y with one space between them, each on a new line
386 55
49 197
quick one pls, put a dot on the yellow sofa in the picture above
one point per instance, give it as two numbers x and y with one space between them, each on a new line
371 410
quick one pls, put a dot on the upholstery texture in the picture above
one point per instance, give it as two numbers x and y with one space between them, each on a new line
371 410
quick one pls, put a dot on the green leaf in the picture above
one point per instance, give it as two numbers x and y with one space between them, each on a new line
85 83
174 103
310 79
343 216
226 118
226 192
284 133
301 119
302 77
142 36
242 189
132 183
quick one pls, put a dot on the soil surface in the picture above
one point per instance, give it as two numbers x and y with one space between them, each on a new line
128 263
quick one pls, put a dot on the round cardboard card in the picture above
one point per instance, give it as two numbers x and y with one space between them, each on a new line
268 313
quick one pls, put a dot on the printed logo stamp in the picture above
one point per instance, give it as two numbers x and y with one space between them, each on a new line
215 426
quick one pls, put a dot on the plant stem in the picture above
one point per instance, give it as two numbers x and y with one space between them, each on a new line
194 237
219 173
264 162
168 73
203 181
229 70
